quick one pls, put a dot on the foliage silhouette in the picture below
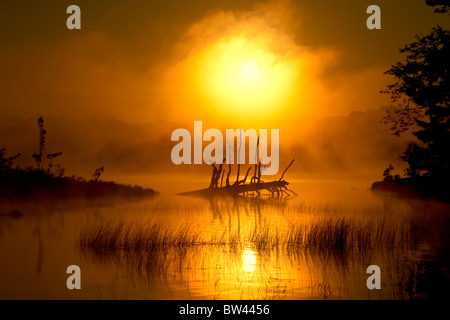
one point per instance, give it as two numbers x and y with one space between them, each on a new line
97 173
422 93
37 182
443 6
423 89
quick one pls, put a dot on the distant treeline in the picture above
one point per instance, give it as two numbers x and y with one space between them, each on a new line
48 179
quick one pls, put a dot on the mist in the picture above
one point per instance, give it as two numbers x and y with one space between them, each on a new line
347 147
112 95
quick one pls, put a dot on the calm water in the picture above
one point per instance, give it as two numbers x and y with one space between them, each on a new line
242 248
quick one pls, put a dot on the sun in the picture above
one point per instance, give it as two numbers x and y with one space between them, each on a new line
249 70
242 78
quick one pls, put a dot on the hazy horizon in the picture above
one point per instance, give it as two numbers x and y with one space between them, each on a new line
104 103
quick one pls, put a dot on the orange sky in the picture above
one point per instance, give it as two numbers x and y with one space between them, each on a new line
136 59
164 64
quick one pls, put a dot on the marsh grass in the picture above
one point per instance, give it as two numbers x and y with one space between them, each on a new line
340 235
125 236
182 252
153 245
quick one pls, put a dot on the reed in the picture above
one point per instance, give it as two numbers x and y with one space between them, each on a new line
158 252
340 235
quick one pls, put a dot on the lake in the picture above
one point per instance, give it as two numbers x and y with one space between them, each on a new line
317 245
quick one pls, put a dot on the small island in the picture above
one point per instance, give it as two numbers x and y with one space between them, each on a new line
49 180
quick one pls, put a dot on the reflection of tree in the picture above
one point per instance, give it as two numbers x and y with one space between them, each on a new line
229 206
422 90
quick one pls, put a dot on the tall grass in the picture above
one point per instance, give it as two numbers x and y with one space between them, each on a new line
158 251
336 234
130 236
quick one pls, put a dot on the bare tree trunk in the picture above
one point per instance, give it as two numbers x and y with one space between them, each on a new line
245 178
259 171
221 181
255 174
239 157
286 169
217 177
213 176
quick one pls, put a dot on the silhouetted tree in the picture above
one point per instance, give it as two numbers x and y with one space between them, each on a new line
39 157
5 161
443 6
422 91
419 160
50 157
59 171
387 176
97 173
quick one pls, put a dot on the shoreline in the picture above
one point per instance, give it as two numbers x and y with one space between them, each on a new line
421 187
40 184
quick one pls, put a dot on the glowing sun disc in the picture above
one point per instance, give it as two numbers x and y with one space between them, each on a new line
249 70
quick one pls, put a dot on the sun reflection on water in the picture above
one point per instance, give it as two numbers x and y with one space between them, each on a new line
249 261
